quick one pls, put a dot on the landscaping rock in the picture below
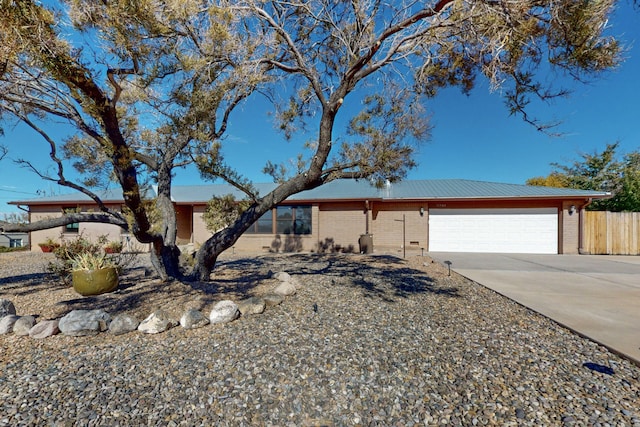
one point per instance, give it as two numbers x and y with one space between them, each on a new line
44 329
7 322
123 324
285 289
79 323
272 299
23 325
282 276
224 311
157 322
6 308
286 278
193 319
252 305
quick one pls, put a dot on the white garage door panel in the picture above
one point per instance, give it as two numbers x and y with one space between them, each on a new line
494 230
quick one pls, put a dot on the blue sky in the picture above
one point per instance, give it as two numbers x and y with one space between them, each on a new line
473 137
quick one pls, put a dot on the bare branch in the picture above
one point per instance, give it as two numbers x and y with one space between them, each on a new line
302 67
61 180
69 218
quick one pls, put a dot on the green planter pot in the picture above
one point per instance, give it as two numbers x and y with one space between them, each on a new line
95 282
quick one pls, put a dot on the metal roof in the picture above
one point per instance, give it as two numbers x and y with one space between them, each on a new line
109 195
469 189
356 190
335 190
112 195
404 190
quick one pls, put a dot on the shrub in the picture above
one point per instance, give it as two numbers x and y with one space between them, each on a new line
49 245
113 247
89 261
6 249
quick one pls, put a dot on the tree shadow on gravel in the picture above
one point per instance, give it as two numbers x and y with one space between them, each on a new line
383 277
24 284
236 279
379 276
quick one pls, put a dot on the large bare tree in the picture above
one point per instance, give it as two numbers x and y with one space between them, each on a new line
187 64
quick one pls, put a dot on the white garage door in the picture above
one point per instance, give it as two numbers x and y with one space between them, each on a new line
494 230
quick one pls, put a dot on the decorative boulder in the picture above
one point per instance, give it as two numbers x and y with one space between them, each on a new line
253 305
158 321
193 319
7 322
224 311
283 276
44 329
273 299
80 323
285 289
23 325
6 308
123 324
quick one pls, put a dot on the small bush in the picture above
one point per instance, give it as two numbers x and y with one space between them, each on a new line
6 249
89 262
113 247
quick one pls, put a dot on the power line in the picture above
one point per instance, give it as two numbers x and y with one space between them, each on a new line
19 192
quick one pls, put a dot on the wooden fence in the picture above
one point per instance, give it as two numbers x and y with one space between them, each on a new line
611 233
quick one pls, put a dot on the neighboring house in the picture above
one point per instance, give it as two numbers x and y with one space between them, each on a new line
14 240
425 215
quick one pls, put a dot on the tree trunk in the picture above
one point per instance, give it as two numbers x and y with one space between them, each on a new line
165 255
205 262
166 261
208 254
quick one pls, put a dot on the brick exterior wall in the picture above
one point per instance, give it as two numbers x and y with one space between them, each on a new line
91 231
340 225
260 242
570 228
388 226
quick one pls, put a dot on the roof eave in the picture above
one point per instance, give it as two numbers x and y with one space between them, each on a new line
528 197
61 202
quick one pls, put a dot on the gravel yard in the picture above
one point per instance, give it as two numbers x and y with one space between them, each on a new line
365 341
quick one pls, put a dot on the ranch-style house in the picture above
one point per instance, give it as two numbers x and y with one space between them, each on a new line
449 215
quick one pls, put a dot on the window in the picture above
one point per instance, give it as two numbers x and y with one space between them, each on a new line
284 219
15 243
288 220
264 225
302 221
72 228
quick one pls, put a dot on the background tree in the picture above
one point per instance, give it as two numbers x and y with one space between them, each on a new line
554 179
309 57
223 211
16 217
627 198
601 171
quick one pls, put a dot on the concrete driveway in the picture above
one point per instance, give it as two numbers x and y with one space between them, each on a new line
596 296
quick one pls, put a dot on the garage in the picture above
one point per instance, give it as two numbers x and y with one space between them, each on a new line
526 230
